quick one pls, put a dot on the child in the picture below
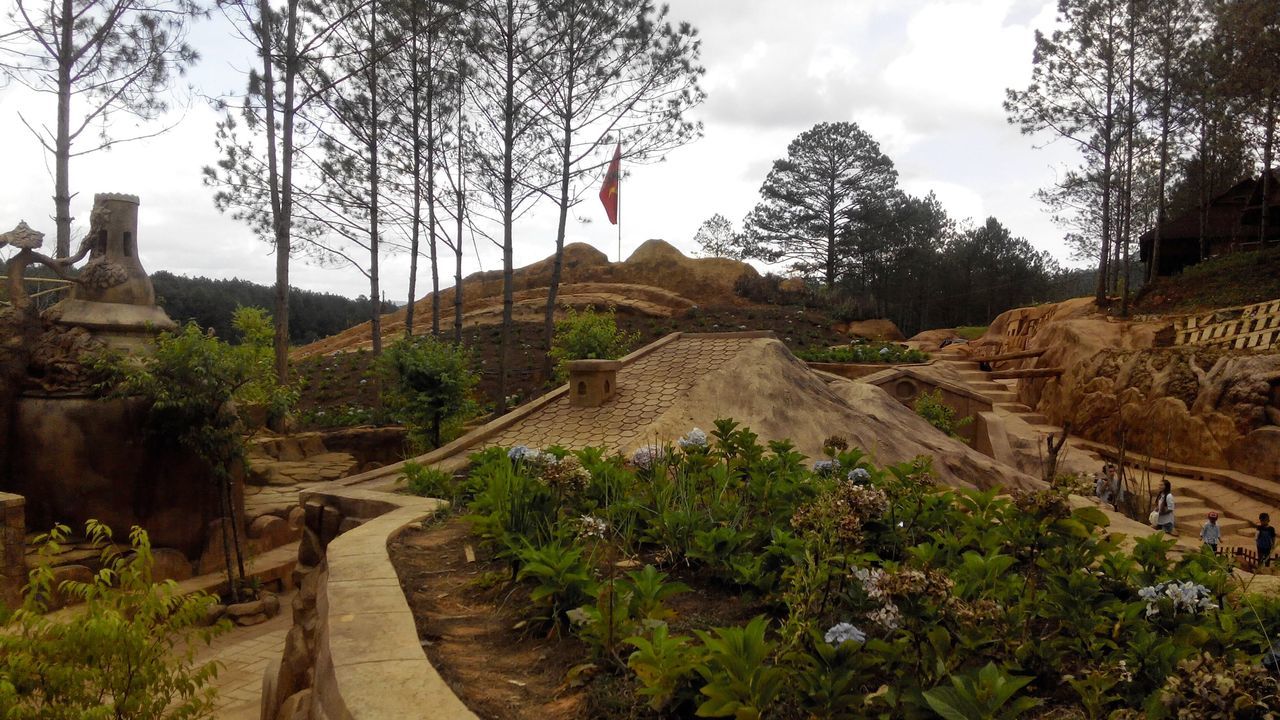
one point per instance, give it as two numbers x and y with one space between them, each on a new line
1211 534
1266 539
1164 508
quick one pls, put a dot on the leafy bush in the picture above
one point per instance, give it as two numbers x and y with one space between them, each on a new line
426 481
871 352
128 652
257 335
931 407
588 335
191 384
884 595
427 382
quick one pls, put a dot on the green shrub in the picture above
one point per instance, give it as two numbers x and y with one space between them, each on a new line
588 335
882 594
192 383
931 407
971 332
128 652
257 335
427 383
426 481
871 352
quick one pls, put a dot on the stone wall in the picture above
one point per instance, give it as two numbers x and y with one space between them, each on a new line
13 533
353 650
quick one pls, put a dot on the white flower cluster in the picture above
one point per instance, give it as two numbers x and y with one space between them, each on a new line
844 632
826 467
870 580
859 476
888 617
647 456
1186 596
590 526
521 453
696 439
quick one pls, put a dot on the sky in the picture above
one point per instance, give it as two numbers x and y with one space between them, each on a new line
926 78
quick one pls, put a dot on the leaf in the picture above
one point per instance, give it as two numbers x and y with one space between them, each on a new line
950 704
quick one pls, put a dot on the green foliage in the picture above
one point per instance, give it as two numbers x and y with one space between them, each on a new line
870 352
931 407
562 578
664 664
212 303
989 694
426 481
588 335
191 381
257 334
128 652
883 595
740 682
971 332
427 382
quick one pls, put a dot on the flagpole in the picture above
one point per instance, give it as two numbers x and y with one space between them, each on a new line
619 196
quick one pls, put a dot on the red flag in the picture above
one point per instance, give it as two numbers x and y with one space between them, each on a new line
612 182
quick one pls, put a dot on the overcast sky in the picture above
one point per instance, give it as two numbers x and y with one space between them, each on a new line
925 78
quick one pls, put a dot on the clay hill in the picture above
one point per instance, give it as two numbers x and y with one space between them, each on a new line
656 281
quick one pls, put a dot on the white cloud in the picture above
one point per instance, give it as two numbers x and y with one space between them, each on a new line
924 77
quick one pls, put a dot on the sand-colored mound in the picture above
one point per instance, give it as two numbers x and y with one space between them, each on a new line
764 387
657 280
880 329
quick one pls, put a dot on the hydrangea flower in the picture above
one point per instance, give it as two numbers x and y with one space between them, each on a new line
859 476
887 616
696 439
590 526
1184 596
518 453
646 457
826 467
870 579
844 632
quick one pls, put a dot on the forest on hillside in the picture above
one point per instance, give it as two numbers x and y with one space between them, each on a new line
211 303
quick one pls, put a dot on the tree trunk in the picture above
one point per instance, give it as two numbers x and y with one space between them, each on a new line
566 148
431 180
416 224
1268 157
1162 178
461 201
62 143
375 298
508 188
284 223
273 183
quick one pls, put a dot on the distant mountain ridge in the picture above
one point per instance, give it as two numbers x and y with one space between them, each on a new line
210 303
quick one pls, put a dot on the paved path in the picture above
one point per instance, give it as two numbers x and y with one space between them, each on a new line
244 654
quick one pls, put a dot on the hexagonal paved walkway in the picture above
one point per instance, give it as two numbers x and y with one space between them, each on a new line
646 387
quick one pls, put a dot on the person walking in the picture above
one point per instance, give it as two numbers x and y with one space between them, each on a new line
1116 491
1211 533
1266 539
1164 508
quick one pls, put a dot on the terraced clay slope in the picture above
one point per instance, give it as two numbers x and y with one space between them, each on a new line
657 281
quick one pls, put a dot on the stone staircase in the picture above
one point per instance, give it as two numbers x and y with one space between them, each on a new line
1236 497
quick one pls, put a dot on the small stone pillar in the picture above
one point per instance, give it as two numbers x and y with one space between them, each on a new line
592 383
13 547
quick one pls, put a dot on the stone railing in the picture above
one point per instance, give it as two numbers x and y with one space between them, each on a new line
353 651
1251 327
13 544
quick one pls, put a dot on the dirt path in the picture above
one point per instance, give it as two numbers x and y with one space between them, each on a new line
467 630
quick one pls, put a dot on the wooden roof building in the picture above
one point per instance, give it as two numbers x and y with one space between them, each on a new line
1232 223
